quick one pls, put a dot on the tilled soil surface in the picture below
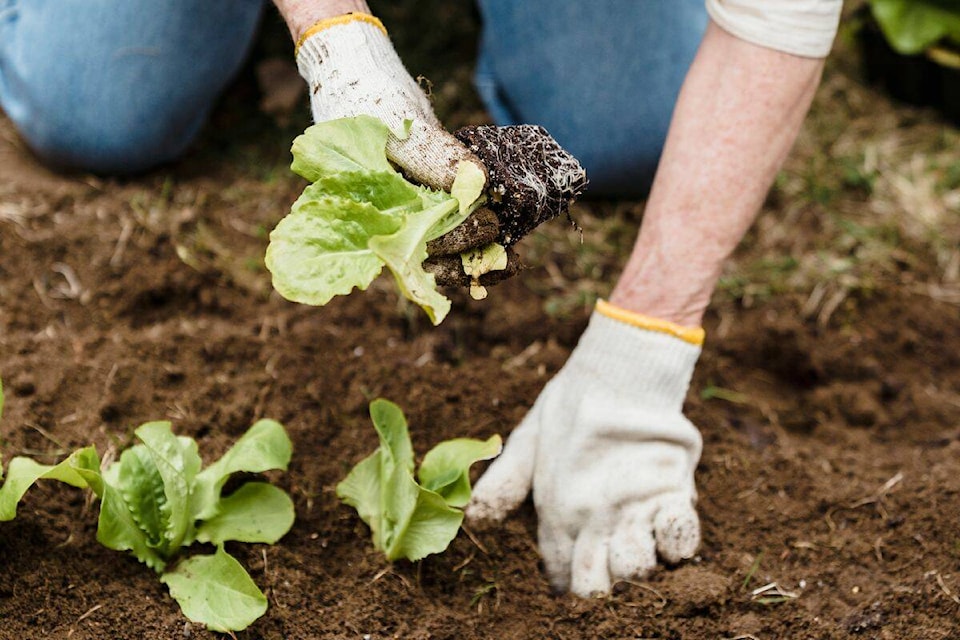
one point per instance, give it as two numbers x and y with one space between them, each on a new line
830 480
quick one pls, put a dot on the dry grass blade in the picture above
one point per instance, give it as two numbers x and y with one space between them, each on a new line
772 593
876 499
89 612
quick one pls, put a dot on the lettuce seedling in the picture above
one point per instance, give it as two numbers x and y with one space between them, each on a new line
359 215
410 518
156 500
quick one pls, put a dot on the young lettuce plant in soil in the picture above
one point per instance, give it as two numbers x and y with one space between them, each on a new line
359 215
412 517
156 500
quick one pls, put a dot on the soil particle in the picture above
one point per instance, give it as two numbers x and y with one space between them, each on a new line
696 589
865 620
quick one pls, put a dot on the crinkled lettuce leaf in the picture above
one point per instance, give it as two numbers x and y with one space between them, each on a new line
359 215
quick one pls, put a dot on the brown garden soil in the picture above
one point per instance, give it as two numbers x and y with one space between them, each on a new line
831 464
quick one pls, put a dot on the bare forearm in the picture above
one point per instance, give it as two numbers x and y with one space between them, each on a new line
300 15
736 119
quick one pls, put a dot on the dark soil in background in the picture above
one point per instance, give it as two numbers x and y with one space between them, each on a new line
832 470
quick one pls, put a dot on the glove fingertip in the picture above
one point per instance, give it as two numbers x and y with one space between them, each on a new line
590 576
495 496
677 530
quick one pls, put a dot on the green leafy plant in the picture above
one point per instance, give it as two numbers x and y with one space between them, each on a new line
412 517
913 26
156 500
359 215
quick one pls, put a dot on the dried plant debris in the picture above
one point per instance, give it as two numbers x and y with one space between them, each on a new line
532 179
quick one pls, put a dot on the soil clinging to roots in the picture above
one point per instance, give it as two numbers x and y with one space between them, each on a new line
532 178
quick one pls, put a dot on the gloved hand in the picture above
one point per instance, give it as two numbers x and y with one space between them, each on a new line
351 68
609 455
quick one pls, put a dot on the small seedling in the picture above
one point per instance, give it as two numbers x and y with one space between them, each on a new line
155 501
412 517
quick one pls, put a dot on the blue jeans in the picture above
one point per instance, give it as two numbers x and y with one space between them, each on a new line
118 86
601 76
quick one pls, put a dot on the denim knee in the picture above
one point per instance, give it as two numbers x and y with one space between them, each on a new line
601 76
123 137
118 86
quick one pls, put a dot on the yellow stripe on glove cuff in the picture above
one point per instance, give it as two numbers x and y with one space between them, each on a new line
691 335
346 18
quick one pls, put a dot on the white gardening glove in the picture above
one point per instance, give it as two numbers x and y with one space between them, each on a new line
609 455
351 69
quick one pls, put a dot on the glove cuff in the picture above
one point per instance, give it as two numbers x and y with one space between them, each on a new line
356 42
645 358
326 23
693 335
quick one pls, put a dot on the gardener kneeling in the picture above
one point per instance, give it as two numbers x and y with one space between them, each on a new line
606 449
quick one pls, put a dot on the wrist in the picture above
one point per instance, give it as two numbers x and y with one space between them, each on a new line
691 334
676 290
639 360
301 15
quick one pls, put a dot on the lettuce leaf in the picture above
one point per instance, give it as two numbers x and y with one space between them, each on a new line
216 591
24 472
264 447
359 215
1 416
256 512
445 469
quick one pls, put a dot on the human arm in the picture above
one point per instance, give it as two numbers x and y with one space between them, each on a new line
300 15
351 68
737 116
606 448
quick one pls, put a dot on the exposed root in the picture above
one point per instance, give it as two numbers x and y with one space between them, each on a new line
532 179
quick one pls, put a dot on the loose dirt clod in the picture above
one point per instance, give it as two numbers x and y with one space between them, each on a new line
532 179
480 229
448 270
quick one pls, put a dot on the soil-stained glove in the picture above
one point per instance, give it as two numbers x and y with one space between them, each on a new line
351 68
609 455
